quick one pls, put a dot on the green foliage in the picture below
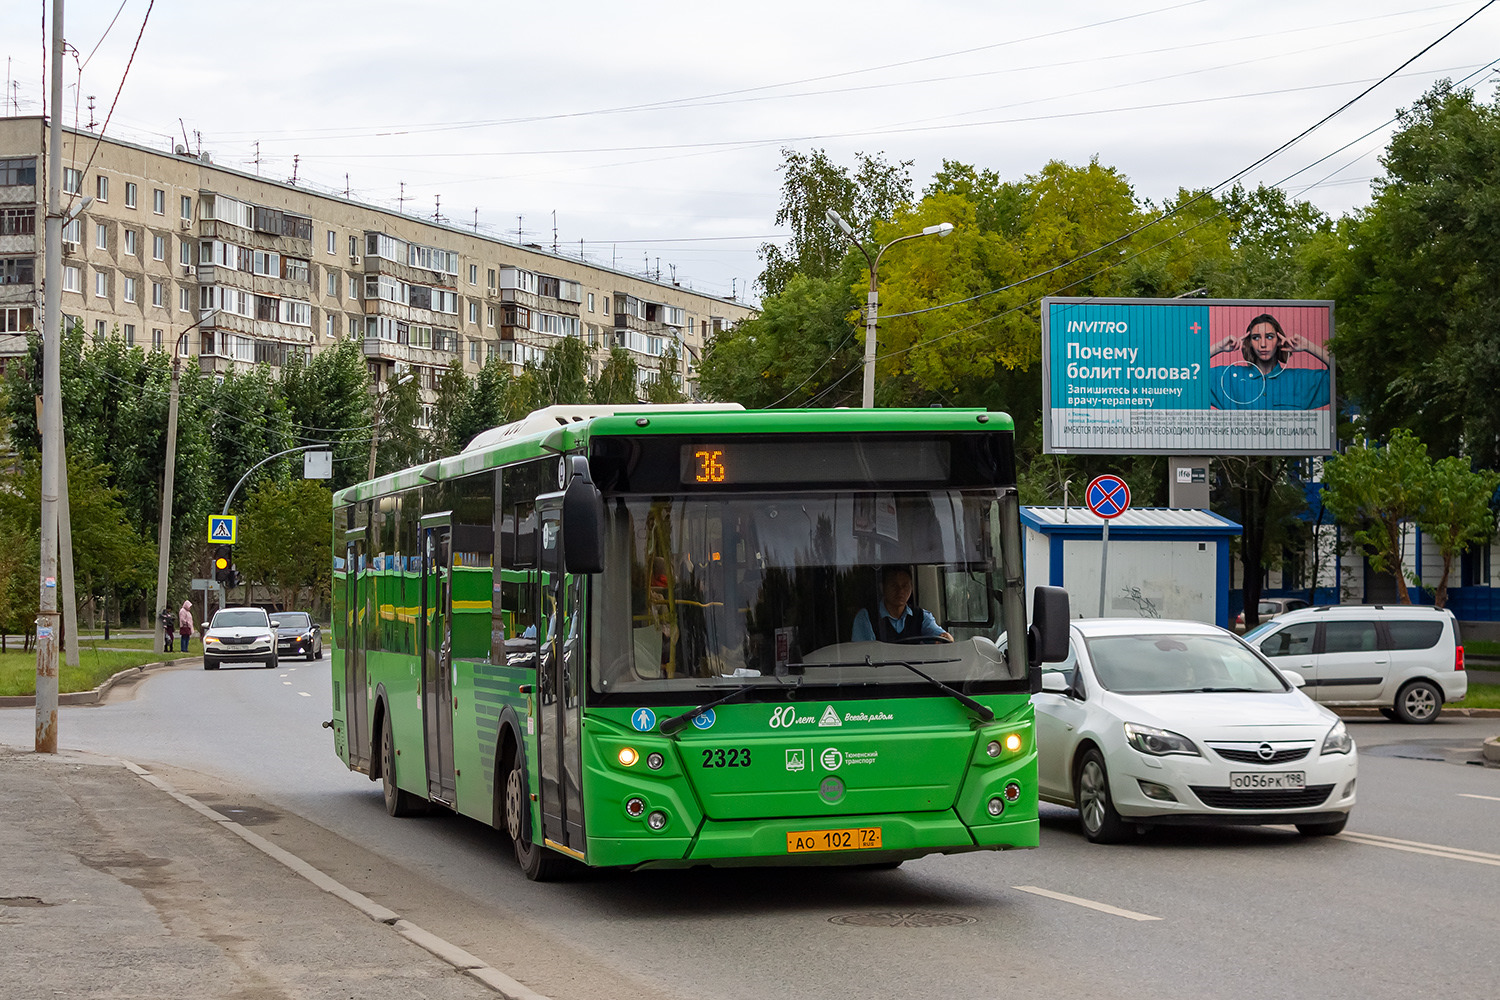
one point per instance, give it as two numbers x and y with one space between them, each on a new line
616 382
811 185
326 400
561 377
1417 280
285 538
1459 512
804 349
1373 490
667 386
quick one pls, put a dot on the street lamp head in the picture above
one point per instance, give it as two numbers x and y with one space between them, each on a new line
838 220
941 229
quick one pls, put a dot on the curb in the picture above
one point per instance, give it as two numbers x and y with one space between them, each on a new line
1491 749
92 697
1459 710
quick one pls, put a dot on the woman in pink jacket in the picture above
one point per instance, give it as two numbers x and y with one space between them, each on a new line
185 623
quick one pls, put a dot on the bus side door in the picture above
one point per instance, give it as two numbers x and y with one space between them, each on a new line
560 717
356 702
437 655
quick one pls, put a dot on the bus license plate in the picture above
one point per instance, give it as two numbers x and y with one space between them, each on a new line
1276 781
857 839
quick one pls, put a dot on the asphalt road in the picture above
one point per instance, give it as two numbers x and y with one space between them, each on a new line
1395 907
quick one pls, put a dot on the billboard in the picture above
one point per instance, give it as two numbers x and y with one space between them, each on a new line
1187 376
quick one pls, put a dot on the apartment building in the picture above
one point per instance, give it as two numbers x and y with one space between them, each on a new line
172 250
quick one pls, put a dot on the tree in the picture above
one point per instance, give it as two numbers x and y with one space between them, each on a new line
396 415
286 538
1458 514
811 185
804 349
1417 281
325 401
667 386
1375 491
617 379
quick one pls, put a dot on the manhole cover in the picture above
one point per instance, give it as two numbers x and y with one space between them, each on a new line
903 918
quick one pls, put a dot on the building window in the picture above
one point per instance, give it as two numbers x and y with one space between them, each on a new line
333 242
18 172
101 236
72 278
129 289
330 325
129 334
354 248
72 180
130 193
473 274
333 284
184 300
159 201
100 328
130 242
17 270
473 312
187 208
17 221
591 301
474 351
158 248
492 277
489 316
73 232
156 338
184 252
295 270
101 285
101 187
158 293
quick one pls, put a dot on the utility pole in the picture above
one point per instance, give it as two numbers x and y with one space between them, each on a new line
46 621
164 531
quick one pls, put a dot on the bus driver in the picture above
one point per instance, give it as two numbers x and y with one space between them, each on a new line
896 618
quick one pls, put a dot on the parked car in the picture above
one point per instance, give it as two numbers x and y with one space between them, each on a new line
236 635
1152 722
298 635
1270 607
1405 659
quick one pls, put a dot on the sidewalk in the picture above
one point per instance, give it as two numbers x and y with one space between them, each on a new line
110 887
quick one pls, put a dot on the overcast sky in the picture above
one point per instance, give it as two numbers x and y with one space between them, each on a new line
653 130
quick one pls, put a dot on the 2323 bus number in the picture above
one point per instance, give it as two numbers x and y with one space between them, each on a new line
727 758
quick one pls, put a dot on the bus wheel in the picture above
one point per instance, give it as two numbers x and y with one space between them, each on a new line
398 802
537 862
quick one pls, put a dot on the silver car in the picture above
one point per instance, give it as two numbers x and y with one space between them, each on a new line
238 635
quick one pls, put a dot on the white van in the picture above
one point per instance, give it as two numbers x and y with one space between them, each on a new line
1406 660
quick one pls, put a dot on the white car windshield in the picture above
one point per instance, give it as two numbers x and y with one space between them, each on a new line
1161 663
249 618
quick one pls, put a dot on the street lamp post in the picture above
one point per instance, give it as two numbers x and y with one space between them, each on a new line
872 304
164 532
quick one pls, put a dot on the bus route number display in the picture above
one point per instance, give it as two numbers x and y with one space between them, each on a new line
708 465
739 463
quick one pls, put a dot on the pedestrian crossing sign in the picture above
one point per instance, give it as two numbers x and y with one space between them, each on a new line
221 528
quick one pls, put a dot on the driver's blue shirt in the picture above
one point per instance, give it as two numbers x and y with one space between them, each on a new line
863 631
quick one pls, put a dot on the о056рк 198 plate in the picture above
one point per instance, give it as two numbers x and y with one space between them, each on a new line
859 838
1276 781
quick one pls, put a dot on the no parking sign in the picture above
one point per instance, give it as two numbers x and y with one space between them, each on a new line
1109 497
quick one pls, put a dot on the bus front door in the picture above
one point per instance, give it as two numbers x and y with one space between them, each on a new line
562 658
437 657
356 704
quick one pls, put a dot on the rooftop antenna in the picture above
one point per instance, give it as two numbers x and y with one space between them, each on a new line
437 211
476 219
346 185
733 287
256 161
518 229
183 125
92 122
296 162
554 230
198 143
401 198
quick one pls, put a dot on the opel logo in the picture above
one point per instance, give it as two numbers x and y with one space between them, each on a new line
1265 751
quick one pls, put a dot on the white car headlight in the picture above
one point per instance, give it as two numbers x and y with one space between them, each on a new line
1158 742
1338 740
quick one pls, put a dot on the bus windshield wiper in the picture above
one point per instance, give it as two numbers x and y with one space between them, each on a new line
676 722
983 711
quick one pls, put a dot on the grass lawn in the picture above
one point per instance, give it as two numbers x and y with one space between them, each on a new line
18 670
1481 696
1481 647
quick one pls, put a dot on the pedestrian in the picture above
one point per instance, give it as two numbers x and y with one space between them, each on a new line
168 628
185 623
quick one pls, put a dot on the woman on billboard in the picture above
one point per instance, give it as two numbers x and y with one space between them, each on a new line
1258 378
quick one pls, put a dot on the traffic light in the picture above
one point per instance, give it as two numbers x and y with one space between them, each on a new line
224 566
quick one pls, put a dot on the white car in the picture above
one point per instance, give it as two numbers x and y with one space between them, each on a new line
239 634
1153 722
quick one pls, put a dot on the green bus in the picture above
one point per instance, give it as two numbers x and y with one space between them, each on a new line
647 637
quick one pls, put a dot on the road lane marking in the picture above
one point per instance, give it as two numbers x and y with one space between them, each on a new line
304 694
1487 798
1088 903
287 683
1417 847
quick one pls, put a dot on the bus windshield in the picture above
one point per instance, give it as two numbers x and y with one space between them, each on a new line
791 590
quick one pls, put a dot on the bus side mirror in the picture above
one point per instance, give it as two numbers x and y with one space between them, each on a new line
582 527
1047 639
